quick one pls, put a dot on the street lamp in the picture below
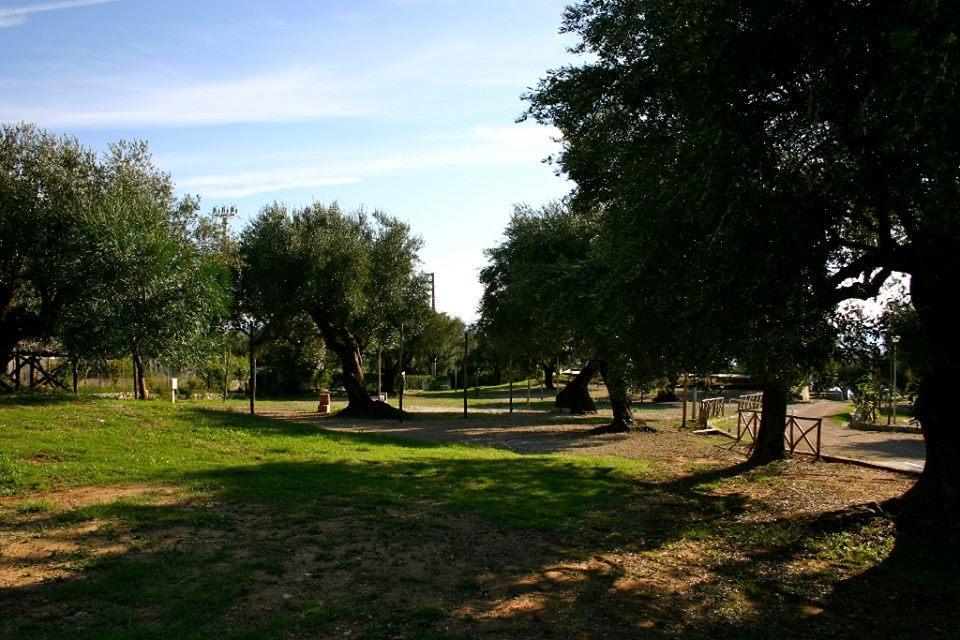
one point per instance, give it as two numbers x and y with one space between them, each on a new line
893 385
433 307
224 214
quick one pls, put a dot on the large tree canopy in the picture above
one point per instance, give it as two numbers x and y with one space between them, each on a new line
543 294
812 142
140 284
354 275
525 308
45 182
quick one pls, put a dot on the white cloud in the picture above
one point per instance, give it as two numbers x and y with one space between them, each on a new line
482 147
13 16
291 95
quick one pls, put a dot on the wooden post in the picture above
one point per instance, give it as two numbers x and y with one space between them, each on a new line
76 383
693 405
465 374
510 373
819 426
683 398
792 422
379 376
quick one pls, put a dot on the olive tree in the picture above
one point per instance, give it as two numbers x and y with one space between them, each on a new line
354 275
45 181
140 285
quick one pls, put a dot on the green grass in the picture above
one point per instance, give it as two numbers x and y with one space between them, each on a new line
196 446
251 527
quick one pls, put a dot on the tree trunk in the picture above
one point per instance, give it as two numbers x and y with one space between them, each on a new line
548 370
342 342
620 401
936 494
391 373
138 375
576 394
773 423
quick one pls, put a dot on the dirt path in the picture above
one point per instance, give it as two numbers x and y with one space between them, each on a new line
538 431
543 432
903 450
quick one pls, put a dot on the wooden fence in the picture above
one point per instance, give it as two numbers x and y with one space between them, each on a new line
750 401
798 432
710 408
36 369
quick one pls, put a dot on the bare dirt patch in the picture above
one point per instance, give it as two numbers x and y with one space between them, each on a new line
38 547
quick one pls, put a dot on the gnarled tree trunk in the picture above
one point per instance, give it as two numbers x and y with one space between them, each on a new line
936 494
773 423
575 396
620 401
548 371
342 342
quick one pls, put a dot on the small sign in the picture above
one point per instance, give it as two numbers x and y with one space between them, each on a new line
173 383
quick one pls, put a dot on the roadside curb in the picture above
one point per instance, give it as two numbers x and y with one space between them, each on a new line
872 465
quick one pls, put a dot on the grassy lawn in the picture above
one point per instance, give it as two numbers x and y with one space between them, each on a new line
145 520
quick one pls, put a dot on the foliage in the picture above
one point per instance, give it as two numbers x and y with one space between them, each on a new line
866 402
141 285
354 276
531 306
290 364
45 182
692 193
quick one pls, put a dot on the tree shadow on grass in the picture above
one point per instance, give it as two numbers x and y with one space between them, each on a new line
38 398
461 544
363 545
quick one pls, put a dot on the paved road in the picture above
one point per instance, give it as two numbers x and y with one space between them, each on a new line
902 450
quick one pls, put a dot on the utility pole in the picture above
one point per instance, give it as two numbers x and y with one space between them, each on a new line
253 374
433 307
465 383
224 214
402 379
510 373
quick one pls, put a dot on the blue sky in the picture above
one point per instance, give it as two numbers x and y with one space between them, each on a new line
408 106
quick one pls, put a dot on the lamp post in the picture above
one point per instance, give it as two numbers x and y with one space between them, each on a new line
224 214
433 307
893 385
403 379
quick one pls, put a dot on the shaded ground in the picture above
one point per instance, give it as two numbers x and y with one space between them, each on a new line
130 521
541 430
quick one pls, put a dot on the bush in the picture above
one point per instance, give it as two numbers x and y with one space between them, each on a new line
866 403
